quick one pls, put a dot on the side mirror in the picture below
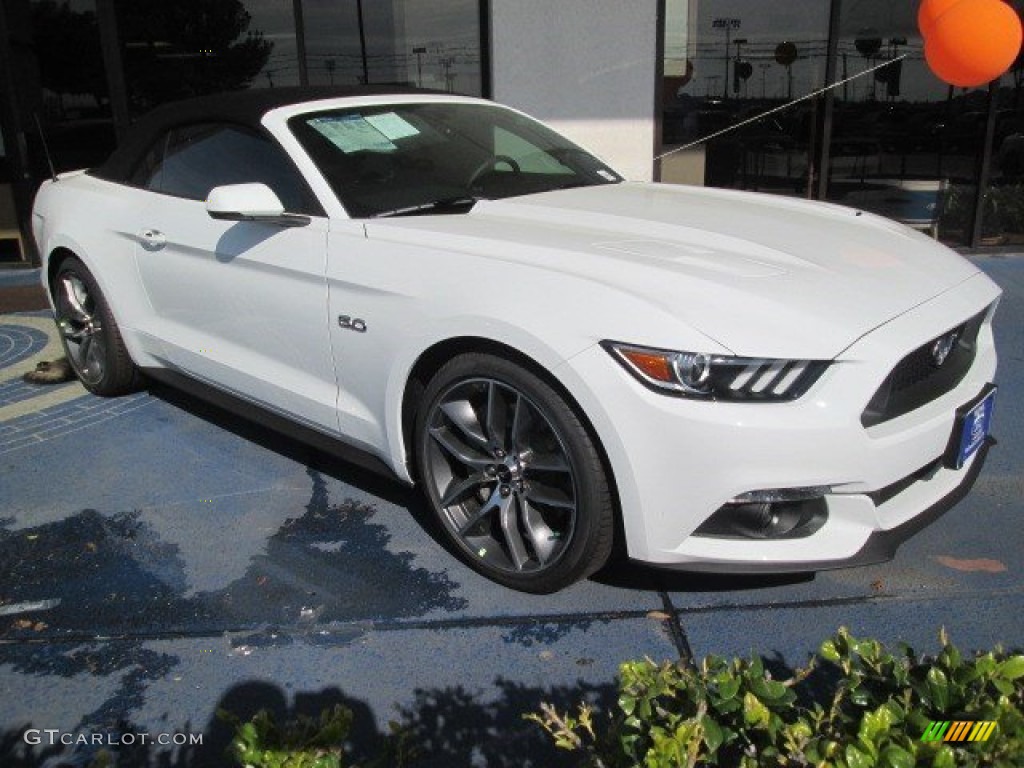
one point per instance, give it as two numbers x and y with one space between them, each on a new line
250 202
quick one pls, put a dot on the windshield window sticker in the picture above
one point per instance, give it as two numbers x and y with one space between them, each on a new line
352 133
392 126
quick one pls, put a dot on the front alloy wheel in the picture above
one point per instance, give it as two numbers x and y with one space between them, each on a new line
513 476
89 334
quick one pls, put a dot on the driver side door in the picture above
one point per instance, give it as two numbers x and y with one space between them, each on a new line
239 305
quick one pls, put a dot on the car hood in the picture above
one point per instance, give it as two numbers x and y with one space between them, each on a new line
761 275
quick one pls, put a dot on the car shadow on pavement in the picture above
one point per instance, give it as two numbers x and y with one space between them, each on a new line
376 484
620 572
623 573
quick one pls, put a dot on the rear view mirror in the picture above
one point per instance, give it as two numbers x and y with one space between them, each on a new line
250 202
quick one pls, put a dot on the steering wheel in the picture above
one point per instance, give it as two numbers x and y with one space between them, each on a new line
491 163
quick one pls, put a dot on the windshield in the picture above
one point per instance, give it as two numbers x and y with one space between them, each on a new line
440 157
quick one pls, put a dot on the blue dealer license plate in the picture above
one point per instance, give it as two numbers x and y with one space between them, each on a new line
973 426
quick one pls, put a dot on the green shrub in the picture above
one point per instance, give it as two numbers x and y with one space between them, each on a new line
306 742
854 706
300 743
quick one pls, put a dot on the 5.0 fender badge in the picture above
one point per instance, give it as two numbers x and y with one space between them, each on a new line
352 323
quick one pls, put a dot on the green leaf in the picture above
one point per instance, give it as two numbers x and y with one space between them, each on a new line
771 691
895 711
1005 687
754 712
857 759
627 704
729 706
944 758
875 724
860 696
728 687
829 652
897 757
713 735
938 689
1012 668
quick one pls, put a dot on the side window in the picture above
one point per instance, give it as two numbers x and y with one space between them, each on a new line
198 158
147 175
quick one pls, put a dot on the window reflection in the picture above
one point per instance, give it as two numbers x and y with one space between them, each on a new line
1003 206
176 50
727 61
901 142
904 144
73 99
429 45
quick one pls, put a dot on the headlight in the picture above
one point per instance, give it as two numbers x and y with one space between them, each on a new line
717 377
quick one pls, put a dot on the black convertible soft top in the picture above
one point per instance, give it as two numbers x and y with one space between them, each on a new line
240 107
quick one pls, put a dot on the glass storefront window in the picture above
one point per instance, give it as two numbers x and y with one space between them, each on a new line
176 50
904 144
333 47
430 45
727 61
1002 220
72 98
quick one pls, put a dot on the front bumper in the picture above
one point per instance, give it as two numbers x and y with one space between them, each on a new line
880 545
677 461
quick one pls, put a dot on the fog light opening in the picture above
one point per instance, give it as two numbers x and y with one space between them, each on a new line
766 520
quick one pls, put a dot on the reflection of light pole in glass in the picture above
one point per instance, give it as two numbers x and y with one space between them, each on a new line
329 65
765 66
728 24
362 41
735 65
447 64
419 65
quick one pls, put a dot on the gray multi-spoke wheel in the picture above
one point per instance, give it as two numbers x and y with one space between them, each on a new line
88 332
513 475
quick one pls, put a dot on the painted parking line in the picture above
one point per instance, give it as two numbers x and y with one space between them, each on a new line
41 402
31 414
18 342
55 425
50 351
31 338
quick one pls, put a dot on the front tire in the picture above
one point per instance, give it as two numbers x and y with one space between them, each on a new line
513 476
91 339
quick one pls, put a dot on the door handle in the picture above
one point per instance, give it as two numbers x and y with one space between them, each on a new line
152 239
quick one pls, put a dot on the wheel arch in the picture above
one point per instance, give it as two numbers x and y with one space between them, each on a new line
58 256
434 357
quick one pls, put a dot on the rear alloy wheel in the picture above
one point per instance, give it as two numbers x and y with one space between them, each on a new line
512 475
89 334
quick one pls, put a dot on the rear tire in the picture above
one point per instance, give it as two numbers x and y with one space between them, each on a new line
91 339
513 476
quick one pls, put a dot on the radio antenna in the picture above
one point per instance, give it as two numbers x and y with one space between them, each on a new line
46 149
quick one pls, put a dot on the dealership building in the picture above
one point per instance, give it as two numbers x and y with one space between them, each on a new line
641 83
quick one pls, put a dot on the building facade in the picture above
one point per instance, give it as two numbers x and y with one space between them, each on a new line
642 83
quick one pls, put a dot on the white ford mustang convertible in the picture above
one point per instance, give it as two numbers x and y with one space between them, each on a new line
726 381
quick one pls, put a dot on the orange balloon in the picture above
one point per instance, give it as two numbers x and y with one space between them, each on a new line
973 42
929 12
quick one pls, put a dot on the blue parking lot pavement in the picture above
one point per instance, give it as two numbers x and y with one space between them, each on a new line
160 558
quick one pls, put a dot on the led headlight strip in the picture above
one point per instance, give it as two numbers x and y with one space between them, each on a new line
717 377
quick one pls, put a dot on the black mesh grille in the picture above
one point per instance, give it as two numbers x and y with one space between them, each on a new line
917 380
